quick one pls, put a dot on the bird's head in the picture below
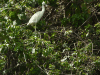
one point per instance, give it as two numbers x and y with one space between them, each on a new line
43 3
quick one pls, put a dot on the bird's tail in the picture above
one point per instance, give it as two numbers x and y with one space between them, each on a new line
27 23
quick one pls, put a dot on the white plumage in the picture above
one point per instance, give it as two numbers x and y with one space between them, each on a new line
37 16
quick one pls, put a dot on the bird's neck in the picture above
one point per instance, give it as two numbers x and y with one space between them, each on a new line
43 8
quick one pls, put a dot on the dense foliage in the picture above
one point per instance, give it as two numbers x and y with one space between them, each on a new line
67 40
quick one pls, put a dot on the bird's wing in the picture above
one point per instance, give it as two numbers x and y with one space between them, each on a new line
34 18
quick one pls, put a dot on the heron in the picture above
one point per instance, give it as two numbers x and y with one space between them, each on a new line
37 16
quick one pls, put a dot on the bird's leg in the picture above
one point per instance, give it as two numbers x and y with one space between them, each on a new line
35 27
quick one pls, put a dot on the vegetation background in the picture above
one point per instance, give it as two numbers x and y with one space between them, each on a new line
67 40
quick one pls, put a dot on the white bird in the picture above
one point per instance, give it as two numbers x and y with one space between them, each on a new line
37 16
